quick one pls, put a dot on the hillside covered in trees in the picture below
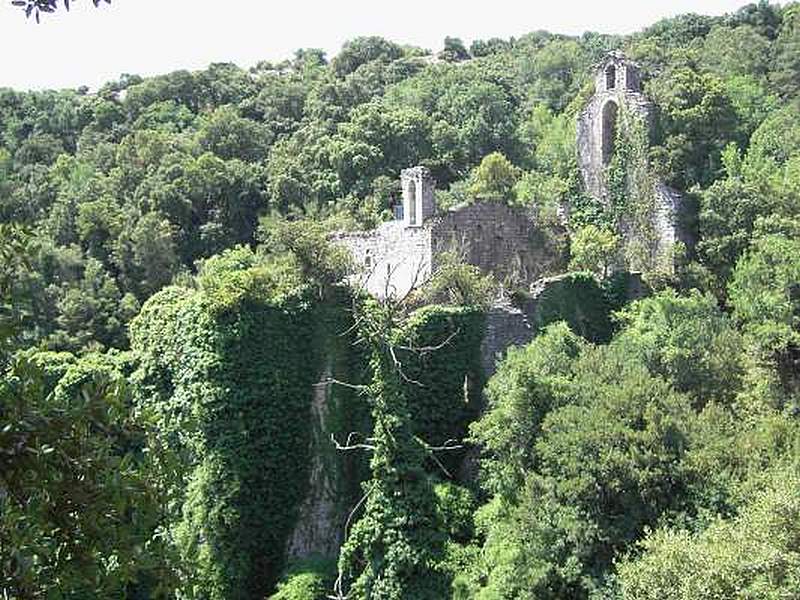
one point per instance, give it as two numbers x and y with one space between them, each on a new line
180 355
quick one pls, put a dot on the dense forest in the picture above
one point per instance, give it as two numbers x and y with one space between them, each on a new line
171 304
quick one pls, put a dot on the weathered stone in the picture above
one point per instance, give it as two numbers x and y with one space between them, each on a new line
499 239
597 123
618 87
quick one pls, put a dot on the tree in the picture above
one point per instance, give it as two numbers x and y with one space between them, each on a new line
593 249
786 66
751 555
454 50
494 179
765 295
36 7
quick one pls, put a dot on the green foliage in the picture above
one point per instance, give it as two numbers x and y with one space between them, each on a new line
78 510
579 300
454 50
687 340
765 295
632 197
456 283
696 121
651 466
494 179
786 64
307 580
753 555
528 384
224 373
397 549
593 249
740 50
600 440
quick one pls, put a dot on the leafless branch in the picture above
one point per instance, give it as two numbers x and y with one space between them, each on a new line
399 366
426 349
332 381
448 445
337 586
348 445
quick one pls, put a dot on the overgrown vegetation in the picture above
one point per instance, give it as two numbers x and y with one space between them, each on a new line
171 307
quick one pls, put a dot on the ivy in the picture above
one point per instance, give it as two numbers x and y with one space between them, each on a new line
631 193
398 548
226 382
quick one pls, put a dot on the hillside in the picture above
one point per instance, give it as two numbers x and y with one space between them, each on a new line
194 403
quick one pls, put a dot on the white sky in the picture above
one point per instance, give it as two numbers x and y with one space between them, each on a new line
90 46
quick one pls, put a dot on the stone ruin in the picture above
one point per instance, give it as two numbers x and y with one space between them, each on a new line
503 240
618 89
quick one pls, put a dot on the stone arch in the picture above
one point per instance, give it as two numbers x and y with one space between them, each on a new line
611 77
610 115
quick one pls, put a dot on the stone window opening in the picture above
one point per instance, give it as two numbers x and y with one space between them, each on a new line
412 203
610 111
368 259
631 81
611 77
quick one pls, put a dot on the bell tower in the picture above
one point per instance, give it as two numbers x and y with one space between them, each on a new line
618 88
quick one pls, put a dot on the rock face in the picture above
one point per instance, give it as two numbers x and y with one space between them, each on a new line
319 527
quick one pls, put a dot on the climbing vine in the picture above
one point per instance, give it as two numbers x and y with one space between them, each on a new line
631 193
397 548
225 384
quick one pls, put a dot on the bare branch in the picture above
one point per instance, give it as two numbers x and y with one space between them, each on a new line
450 444
337 586
426 349
399 366
353 386
350 446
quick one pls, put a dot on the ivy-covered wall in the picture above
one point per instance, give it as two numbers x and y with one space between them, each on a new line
226 386
447 395
582 301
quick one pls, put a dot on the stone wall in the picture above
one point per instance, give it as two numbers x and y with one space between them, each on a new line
618 94
591 130
506 326
391 258
320 524
499 239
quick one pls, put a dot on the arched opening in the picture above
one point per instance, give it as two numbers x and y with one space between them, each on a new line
611 77
412 202
610 111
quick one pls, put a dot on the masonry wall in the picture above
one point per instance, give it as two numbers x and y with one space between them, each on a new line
590 133
391 258
499 239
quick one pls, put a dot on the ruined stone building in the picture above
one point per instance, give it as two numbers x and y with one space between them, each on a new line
618 95
507 241
499 239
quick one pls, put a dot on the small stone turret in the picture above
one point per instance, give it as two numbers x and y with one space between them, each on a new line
419 201
617 74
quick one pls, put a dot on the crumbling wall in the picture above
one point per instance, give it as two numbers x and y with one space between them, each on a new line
618 86
390 259
499 239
